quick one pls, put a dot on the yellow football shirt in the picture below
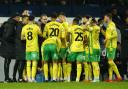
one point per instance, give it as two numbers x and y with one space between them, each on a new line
54 29
66 27
77 38
111 35
95 37
30 32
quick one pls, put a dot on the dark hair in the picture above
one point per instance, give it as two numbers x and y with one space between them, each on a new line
76 20
23 16
93 20
109 15
54 15
31 18
43 14
79 17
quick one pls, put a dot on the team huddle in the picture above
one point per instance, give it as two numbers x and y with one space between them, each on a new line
67 43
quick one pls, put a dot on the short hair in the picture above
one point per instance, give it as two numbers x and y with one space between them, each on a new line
54 15
23 16
76 20
31 18
79 17
93 20
43 14
109 15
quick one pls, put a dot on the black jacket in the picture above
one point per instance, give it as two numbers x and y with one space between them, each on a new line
19 44
7 48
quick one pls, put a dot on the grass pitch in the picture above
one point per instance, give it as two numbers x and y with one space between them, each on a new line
72 85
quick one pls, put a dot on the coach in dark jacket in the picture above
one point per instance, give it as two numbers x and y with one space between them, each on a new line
20 50
7 48
42 22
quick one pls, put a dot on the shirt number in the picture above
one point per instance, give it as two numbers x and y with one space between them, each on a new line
79 36
29 35
54 32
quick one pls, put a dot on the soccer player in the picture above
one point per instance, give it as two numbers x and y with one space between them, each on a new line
76 49
30 33
111 45
52 30
88 49
63 49
95 45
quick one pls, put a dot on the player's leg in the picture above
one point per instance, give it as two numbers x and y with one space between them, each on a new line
90 72
28 65
112 65
35 58
54 54
64 63
86 71
95 65
80 58
59 67
63 60
79 69
29 70
71 58
86 66
45 57
34 68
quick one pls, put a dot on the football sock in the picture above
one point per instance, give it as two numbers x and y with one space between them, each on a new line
55 71
65 70
110 70
90 72
95 66
115 69
79 69
59 71
34 68
69 66
86 70
29 70
46 71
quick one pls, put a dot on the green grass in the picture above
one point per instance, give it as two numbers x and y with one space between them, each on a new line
72 85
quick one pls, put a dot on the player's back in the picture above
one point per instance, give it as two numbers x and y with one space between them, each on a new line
31 32
53 29
77 34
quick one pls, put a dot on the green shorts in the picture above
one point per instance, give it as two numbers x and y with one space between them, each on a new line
32 55
78 56
87 59
50 52
111 53
96 55
63 53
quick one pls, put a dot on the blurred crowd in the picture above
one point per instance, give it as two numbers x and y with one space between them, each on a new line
67 2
